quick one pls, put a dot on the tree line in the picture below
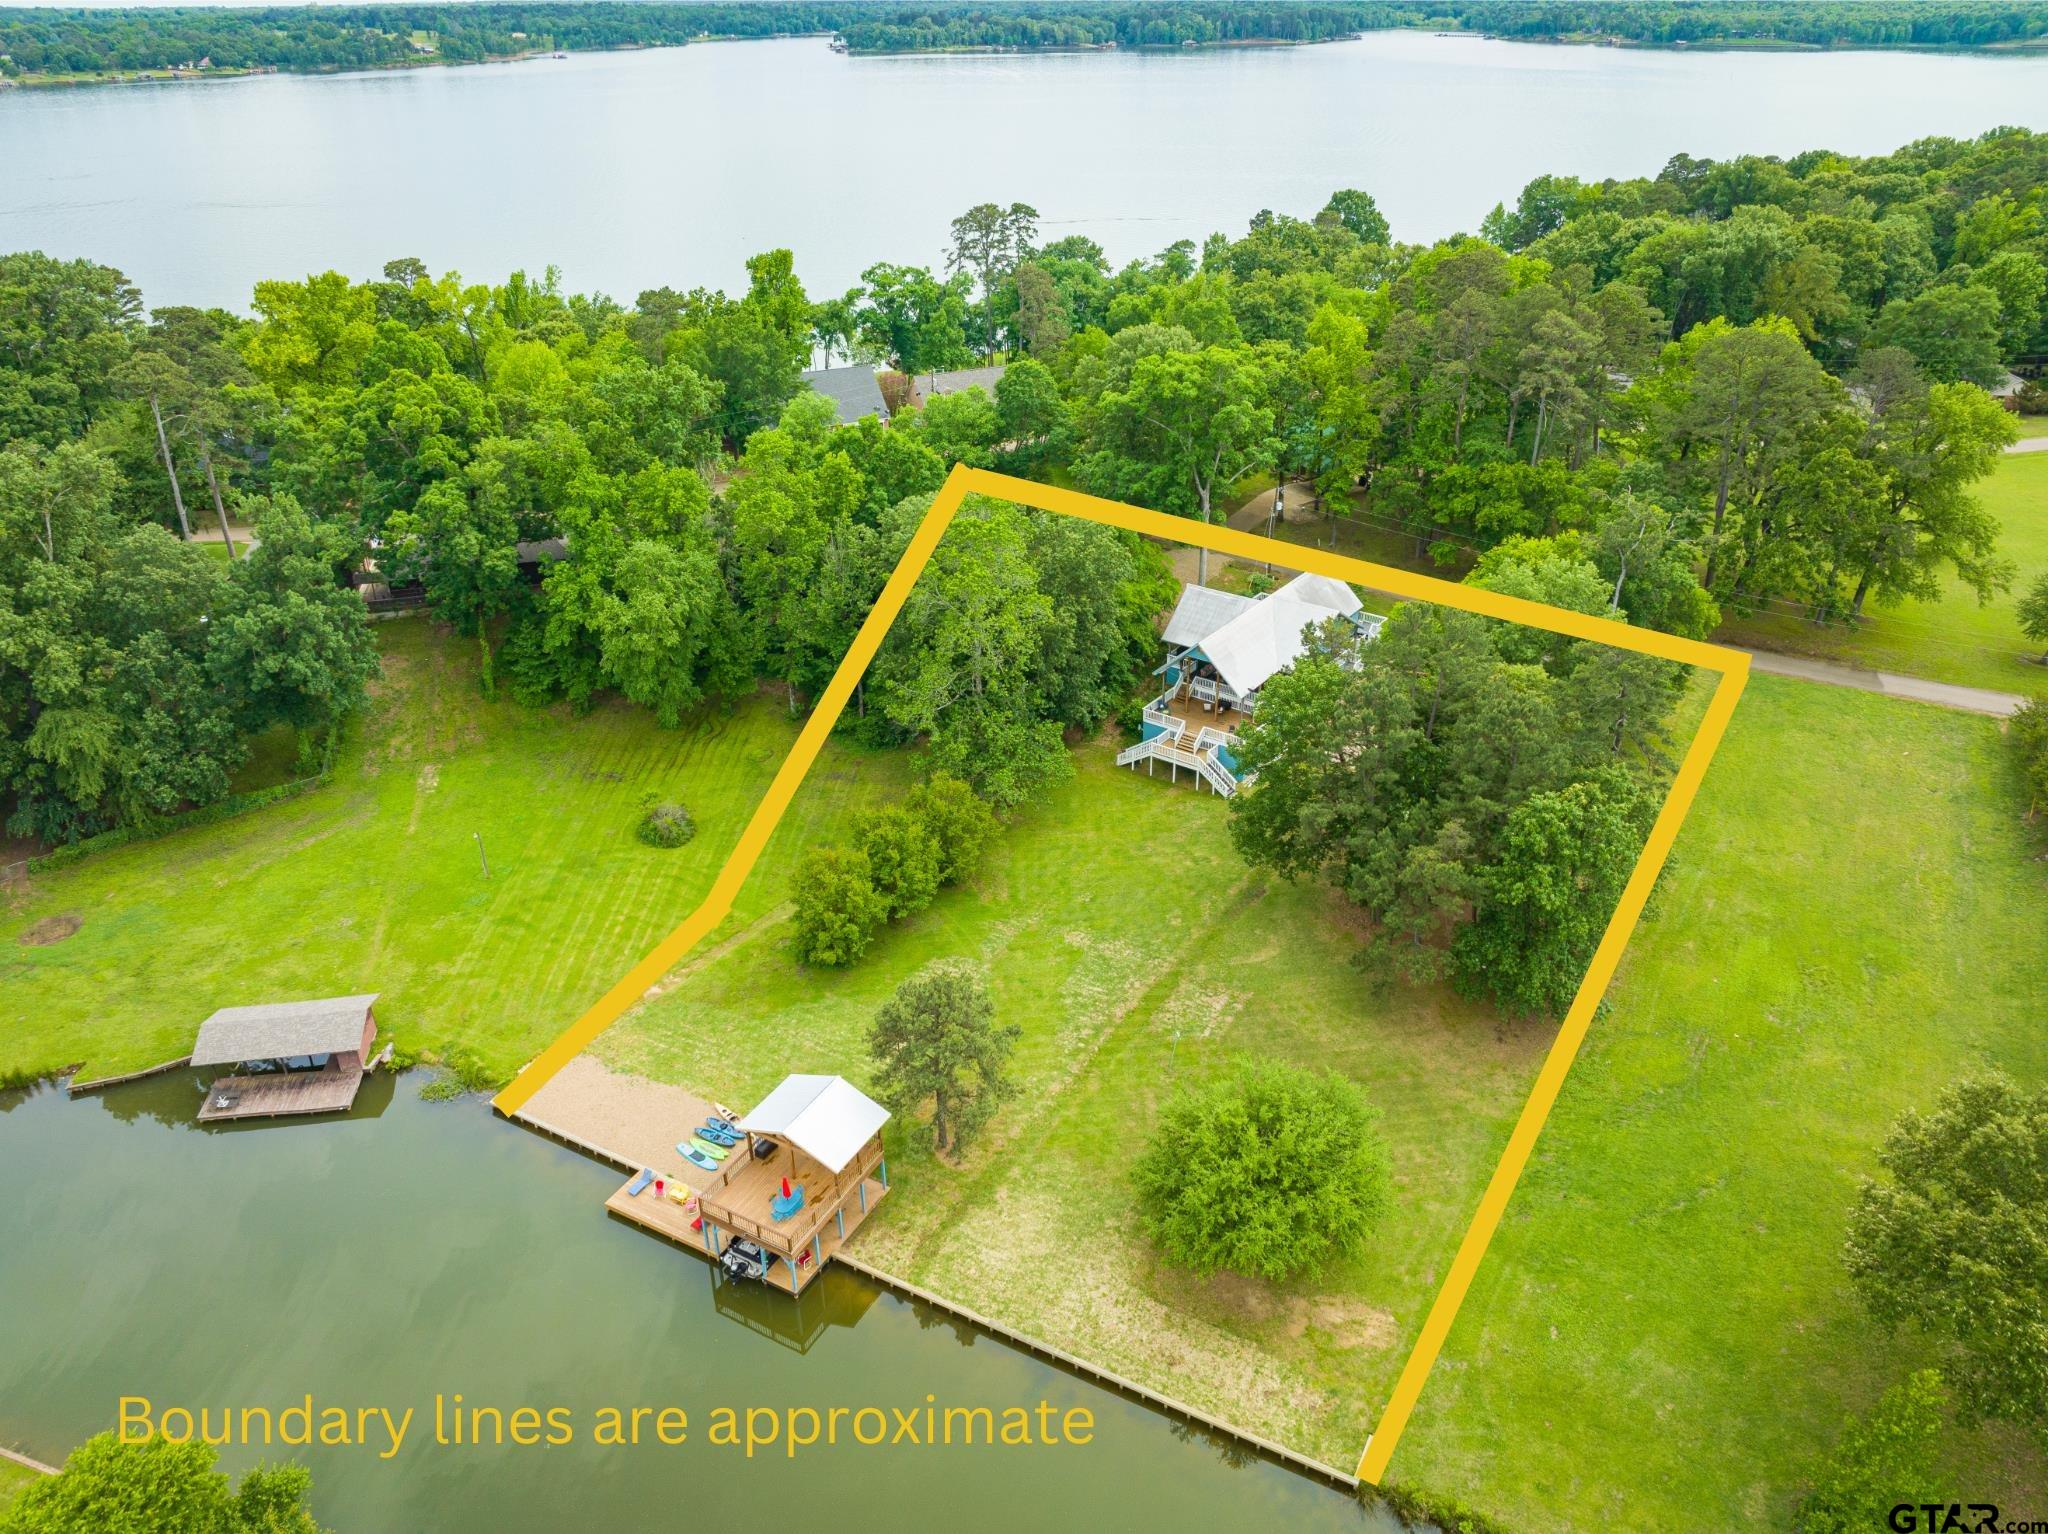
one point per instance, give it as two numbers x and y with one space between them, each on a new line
1735 383
36 42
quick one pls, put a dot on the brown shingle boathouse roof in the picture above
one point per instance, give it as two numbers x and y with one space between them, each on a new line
282 1029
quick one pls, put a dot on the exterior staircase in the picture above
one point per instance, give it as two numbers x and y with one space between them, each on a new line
1170 748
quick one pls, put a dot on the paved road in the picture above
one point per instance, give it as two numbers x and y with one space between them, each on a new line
2030 445
1976 700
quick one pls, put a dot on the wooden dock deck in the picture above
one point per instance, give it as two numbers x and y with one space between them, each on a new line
819 1229
275 1094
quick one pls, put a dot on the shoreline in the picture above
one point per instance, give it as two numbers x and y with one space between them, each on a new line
2036 48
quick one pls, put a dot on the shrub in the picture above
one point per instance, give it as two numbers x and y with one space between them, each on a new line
960 821
2029 736
666 825
1270 1172
837 906
1880 1461
904 858
159 1487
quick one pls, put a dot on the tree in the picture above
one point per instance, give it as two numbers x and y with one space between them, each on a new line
1270 1171
290 642
65 327
1185 424
1952 1243
959 821
1357 212
837 906
936 1039
2033 614
159 1487
1951 329
1563 859
1882 1460
906 863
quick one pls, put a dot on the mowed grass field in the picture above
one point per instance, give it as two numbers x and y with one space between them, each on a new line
374 883
1662 1336
1956 639
1118 928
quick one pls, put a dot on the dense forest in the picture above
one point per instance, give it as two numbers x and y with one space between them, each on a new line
1736 384
42 43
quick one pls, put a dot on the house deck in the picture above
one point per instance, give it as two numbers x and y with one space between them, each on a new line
275 1094
1198 717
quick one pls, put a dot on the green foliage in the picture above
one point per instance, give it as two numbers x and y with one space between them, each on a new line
1272 1172
2033 614
1880 1461
958 820
1545 898
666 825
905 862
1480 794
160 1488
1950 1243
838 908
2028 733
936 1040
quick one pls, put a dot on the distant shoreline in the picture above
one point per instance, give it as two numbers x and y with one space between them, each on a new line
181 75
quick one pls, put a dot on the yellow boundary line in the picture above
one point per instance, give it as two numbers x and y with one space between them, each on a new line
1731 665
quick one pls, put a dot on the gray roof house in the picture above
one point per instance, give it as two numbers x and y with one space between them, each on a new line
298 1056
854 392
932 385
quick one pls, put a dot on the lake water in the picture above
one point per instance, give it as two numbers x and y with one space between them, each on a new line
671 166
417 1247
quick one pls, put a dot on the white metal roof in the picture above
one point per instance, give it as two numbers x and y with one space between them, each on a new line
1322 591
1201 611
1265 639
826 1117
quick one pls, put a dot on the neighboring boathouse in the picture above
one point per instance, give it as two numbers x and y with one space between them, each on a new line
290 1057
1221 648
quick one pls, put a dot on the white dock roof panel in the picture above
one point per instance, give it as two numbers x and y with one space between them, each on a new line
826 1117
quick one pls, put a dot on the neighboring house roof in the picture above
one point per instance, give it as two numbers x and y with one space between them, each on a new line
536 550
1201 611
854 392
826 1117
278 1030
930 385
2011 386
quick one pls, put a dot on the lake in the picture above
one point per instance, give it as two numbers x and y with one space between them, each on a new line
671 166
417 1247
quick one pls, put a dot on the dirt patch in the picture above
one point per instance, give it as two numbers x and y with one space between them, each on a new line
51 929
1345 1322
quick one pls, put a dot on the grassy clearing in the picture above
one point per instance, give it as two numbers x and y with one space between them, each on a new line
1662 1336
1121 932
1955 639
374 883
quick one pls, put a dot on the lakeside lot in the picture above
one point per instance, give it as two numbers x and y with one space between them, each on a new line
374 883
1119 929
1661 1335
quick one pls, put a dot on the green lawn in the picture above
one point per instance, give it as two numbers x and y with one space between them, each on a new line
374 883
1956 639
1662 1335
1119 929
14 1479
